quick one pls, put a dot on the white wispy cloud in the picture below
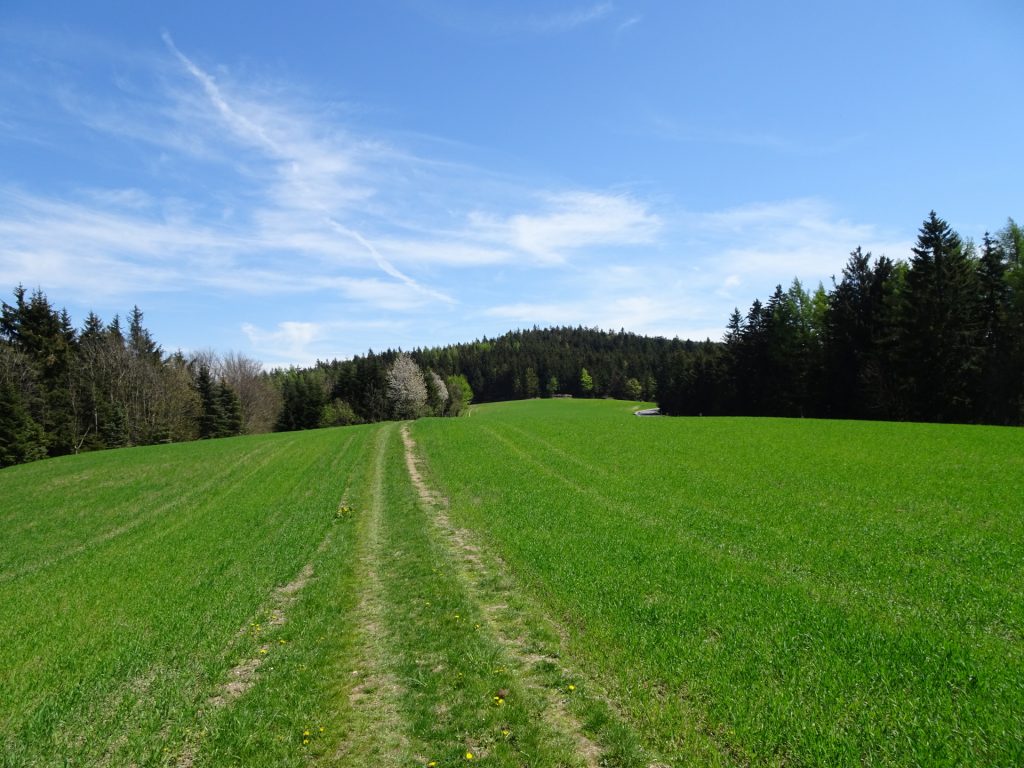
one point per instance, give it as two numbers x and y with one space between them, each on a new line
302 204
628 24
696 132
310 171
570 221
725 258
247 190
758 245
293 342
291 339
566 20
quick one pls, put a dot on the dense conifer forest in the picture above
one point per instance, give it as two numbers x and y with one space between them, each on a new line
938 338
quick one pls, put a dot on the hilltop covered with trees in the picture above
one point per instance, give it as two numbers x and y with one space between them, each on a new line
550 362
66 390
938 338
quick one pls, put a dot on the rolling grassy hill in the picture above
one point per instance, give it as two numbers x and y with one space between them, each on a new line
542 583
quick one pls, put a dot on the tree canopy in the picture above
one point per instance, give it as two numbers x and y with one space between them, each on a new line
937 338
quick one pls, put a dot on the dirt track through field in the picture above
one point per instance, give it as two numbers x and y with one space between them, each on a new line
489 588
375 692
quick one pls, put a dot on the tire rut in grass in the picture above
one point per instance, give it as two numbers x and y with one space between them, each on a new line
530 644
377 732
243 675
254 645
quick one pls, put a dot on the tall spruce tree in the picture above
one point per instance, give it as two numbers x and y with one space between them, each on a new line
230 423
34 328
21 438
998 402
859 323
941 328
211 415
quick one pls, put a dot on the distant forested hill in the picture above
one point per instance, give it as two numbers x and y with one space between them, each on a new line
110 384
541 362
939 337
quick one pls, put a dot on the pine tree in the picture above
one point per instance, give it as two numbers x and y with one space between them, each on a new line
858 329
211 415
998 403
940 334
230 407
21 438
140 340
35 329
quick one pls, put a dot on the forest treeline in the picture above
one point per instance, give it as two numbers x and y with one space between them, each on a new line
937 338
109 384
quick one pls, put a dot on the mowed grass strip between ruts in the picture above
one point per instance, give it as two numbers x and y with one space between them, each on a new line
434 684
764 592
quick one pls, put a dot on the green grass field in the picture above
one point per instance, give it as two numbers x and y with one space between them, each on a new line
542 583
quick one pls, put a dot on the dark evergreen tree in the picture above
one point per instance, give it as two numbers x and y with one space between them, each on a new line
211 414
140 341
21 438
303 399
34 328
696 382
230 406
999 400
940 335
859 329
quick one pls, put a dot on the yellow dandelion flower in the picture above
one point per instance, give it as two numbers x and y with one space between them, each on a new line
572 687
263 650
305 733
469 755
305 741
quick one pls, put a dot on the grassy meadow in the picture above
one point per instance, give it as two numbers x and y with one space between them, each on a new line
543 583
765 592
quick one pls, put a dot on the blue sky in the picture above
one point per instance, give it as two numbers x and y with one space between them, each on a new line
310 180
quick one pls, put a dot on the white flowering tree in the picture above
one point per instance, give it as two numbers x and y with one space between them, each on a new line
437 394
407 391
